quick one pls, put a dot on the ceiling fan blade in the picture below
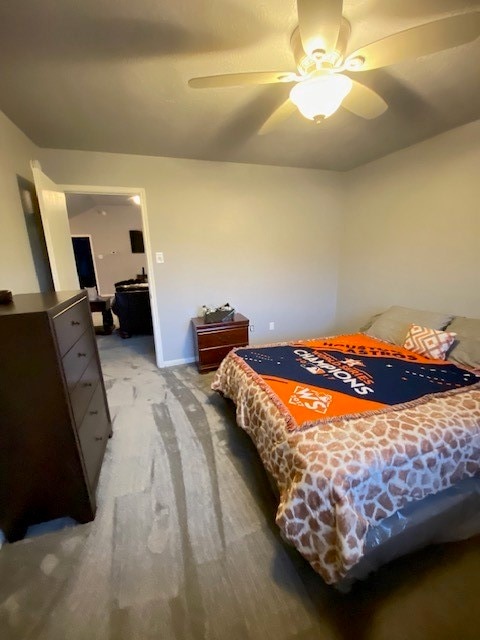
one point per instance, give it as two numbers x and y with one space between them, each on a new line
364 102
417 41
240 79
281 113
319 22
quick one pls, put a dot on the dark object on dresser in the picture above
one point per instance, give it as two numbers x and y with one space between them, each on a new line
54 420
132 306
5 296
213 340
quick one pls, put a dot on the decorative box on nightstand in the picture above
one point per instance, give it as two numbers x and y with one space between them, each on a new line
215 339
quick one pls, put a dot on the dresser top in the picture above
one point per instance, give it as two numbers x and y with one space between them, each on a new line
40 302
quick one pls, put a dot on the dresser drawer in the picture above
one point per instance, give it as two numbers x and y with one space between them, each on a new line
81 394
76 360
234 336
71 324
93 434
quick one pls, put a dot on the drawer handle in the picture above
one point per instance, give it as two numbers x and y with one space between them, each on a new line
82 355
93 413
98 438
75 323
87 384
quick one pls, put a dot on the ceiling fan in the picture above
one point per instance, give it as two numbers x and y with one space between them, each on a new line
319 45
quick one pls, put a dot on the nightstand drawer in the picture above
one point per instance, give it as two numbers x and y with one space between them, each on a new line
234 336
211 358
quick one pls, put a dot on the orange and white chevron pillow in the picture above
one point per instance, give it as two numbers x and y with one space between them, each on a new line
430 343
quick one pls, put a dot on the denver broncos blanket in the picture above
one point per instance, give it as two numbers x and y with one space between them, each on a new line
347 376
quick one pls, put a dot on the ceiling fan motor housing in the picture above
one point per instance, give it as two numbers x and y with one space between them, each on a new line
307 64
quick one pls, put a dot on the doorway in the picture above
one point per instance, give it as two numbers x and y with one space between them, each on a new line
59 243
83 252
60 248
110 222
104 200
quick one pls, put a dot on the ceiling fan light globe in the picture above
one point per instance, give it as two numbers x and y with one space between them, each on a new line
320 96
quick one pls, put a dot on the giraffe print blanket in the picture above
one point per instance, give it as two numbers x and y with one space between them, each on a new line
341 477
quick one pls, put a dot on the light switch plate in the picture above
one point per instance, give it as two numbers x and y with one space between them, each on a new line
159 257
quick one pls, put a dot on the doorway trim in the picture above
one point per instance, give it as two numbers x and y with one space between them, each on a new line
140 191
89 236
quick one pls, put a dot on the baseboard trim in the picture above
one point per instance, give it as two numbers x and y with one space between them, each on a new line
174 363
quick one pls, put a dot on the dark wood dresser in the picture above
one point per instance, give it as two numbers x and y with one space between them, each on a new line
54 417
214 340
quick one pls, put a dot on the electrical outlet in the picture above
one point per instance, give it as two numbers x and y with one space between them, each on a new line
252 328
159 257
271 326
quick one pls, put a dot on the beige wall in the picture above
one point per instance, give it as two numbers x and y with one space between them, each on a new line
282 244
17 270
412 230
264 239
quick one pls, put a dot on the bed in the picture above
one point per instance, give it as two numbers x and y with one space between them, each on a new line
372 439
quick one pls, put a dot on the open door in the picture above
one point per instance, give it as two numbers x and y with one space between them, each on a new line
54 214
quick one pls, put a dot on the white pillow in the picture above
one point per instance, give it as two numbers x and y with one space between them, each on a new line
429 343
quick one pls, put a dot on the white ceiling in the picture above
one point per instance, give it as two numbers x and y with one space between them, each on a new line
111 75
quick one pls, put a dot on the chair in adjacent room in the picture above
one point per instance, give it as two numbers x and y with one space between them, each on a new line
131 305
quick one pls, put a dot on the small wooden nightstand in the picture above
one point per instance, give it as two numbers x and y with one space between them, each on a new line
214 340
